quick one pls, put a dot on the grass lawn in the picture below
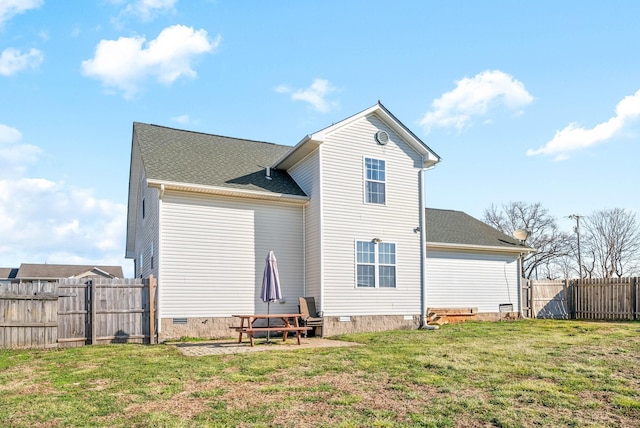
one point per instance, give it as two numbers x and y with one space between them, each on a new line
509 374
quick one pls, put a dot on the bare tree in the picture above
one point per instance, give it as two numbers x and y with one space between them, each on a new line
551 244
612 243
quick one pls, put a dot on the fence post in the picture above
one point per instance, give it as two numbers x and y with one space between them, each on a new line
93 312
634 297
566 297
152 310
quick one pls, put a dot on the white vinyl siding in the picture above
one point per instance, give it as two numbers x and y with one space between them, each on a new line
346 218
459 279
214 251
147 230
307 175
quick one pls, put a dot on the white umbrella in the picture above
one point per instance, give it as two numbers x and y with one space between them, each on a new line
270 291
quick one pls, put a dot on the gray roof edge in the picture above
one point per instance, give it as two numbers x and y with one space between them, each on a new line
209 134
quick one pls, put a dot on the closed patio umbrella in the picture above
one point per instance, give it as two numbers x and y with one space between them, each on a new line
270 291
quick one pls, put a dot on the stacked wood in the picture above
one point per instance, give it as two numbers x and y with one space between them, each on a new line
441 316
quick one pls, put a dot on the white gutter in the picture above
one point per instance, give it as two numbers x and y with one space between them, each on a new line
472 247
226 191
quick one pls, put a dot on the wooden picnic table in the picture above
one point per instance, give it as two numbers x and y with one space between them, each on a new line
289 324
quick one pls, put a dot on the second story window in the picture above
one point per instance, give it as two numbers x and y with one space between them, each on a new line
375 179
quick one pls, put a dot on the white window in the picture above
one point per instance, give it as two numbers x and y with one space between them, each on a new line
375 181
375 264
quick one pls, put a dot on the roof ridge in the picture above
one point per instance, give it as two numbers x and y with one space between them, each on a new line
211 135
447 209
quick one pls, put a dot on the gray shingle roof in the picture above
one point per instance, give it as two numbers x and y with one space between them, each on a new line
8 273
456 227
35 271
211 160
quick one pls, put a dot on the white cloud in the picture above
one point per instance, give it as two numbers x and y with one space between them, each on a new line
42 220
183 119
574 137
126 63
9 134
13 61
14 155
475 96
148 9
11 8
316 94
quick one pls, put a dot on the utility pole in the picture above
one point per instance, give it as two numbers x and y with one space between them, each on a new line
577 218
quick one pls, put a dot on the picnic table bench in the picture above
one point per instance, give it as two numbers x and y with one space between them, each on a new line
289 324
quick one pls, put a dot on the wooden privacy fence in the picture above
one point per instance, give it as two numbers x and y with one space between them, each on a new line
596 299
77 312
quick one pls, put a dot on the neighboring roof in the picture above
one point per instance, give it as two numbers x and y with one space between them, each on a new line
310 142
51 271
458 229
8 273
177 156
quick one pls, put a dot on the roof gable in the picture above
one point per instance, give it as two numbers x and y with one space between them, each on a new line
310 142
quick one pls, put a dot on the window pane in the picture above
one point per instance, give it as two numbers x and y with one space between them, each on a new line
387 276
387 253
375 192
366 252
366 276
375 169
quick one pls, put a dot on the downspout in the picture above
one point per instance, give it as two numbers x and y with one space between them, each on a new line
423 253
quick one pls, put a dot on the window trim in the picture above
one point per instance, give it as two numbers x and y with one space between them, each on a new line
366 180
376 264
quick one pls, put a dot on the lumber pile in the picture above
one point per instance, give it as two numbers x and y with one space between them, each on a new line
441 316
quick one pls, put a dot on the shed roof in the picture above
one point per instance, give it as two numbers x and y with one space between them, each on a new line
179 156
459 228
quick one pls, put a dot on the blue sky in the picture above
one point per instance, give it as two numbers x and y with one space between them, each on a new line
524 101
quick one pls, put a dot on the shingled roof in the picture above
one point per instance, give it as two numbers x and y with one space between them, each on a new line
29 271
8 273
178 156
459 228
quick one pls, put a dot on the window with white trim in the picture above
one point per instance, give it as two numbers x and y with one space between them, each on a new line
375 264
375 180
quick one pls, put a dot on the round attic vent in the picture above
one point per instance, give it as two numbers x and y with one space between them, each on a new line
382 137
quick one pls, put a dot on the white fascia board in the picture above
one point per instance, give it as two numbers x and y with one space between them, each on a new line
478 248
297 153
226 191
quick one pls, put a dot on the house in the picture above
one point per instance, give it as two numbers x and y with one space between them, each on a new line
471 264
7 275
29 272
343 211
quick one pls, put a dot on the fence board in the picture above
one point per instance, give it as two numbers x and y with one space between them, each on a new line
549 299
28 315
589 299
64 314
607 299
